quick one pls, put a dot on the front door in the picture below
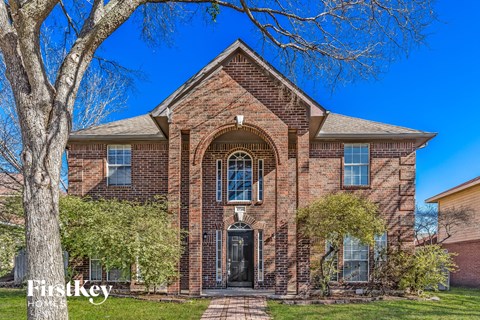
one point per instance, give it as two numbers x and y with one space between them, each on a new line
240 258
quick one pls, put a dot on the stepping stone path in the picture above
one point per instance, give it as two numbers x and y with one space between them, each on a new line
237 308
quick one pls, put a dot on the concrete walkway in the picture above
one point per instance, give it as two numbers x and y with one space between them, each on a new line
237 308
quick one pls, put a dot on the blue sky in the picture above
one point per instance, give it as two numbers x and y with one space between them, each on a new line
436 89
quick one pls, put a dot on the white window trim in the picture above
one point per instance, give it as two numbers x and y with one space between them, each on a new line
357 164
261 264
118 165
218 255
375 249
90 270
335 257
138 273
228 175
368 267
218 178
261 175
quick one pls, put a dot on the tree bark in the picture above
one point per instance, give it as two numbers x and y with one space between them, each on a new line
43 146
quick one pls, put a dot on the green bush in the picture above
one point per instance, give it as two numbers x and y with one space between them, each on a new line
427 268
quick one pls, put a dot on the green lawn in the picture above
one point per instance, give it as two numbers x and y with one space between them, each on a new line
13 306
456 304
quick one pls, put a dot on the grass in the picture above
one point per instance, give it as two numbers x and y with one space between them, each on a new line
455 304
13 307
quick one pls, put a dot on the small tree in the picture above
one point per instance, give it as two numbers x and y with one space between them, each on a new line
123 233
426 269
431 223
330 219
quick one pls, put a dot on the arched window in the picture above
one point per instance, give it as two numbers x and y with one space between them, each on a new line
239 175
239 226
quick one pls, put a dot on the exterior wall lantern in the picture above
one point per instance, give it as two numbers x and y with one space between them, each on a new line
239 121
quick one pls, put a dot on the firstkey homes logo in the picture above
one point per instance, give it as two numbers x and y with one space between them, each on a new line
68 290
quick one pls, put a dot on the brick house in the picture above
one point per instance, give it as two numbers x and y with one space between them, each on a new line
237 149
465 239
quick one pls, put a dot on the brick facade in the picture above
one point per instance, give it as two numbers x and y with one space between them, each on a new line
468 262
297 168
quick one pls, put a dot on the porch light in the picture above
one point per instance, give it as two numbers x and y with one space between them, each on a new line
240 212
239 121
205 236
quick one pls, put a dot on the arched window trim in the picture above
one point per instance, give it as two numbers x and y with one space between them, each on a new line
239 226
251 176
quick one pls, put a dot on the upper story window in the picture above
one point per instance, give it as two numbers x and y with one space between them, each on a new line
218 180
260 180
356 165
119 162
239 173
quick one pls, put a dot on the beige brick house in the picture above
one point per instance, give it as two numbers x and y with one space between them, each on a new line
238 148
465 239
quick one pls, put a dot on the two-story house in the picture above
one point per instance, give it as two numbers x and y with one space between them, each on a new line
464 239
237 149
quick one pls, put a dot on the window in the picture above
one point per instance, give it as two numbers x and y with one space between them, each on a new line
260 256
118 274
138 271
355 260
332 257
218 244
239 177
380 252
356 165
260 180
95 269
119 161
219 180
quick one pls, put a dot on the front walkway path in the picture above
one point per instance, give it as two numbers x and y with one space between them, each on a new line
237 308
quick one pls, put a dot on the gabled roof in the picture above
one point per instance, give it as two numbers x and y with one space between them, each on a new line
337 126
167 106
137 128
460 187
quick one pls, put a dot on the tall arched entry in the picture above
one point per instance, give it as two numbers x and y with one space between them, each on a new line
240 255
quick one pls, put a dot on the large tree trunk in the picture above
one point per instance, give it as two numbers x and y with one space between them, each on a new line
43 145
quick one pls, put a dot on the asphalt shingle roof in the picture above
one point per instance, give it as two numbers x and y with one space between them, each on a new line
141 127
340 124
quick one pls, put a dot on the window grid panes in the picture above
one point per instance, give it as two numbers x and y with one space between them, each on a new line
356 164
331 256
380 247
219 180
239 177
260 180
95 269
117 274
119 160
260 256
355 260
218 242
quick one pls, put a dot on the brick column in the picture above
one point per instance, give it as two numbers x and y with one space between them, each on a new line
195 227
281 220
303 191
174 183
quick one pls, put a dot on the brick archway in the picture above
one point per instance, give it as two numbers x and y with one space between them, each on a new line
248 219
203 145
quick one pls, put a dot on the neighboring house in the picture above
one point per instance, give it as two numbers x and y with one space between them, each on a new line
465 239
237 149
10 185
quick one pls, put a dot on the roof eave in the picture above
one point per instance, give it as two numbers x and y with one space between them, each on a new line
420 138
161 110
452 191
116 137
